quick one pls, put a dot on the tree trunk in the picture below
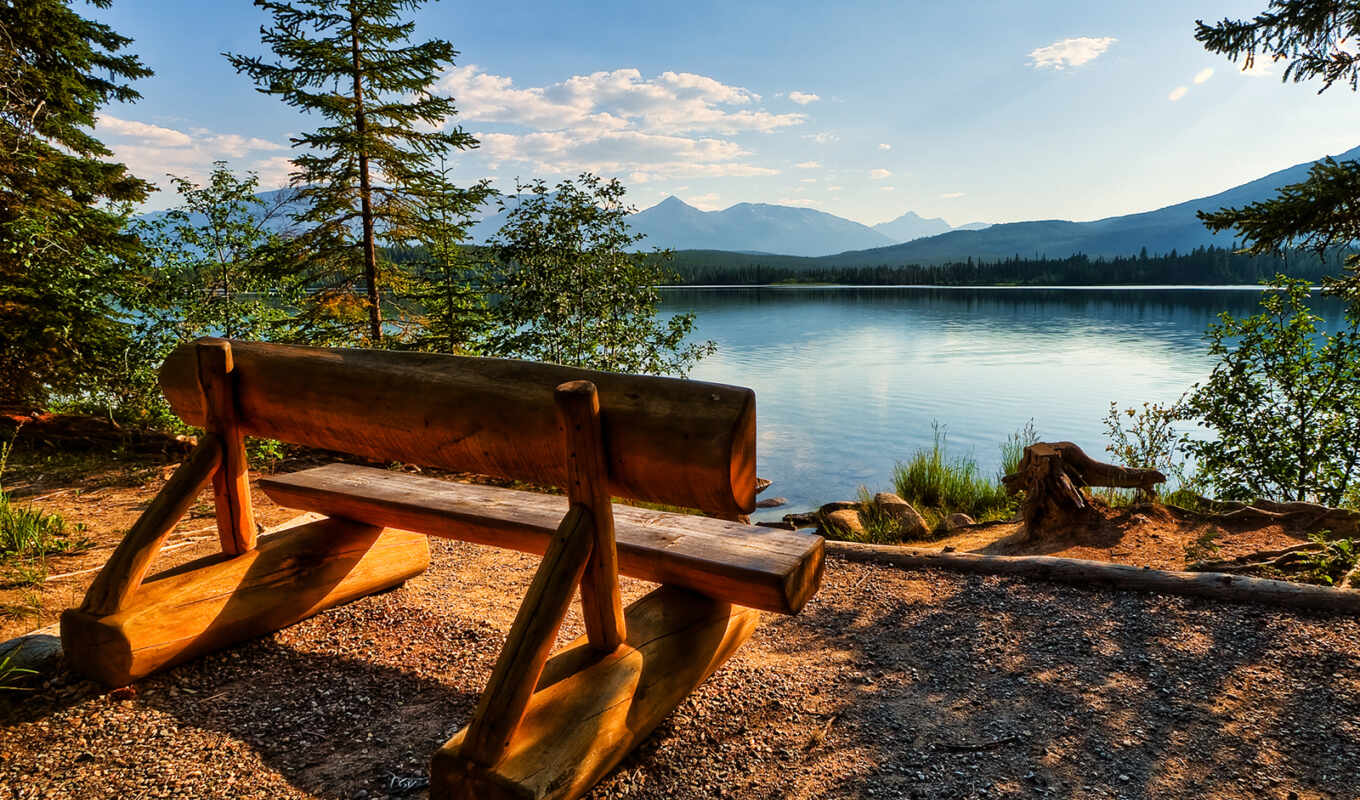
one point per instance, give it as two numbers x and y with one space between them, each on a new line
365 193
1052 474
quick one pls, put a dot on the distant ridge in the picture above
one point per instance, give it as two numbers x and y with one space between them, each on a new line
1160 231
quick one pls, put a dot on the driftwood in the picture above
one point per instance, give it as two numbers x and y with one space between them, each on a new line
1052 475
1211 585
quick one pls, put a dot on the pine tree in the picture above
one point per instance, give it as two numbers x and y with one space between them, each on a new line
1322 212
352 63
64 254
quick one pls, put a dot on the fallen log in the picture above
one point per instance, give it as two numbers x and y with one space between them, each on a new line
1052 475
1210 585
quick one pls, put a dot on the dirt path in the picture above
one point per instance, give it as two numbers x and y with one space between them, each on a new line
890 684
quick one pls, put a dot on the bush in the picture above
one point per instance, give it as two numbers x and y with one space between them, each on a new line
28 535
1281 402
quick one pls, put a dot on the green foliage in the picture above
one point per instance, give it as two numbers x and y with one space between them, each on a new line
1281 402
572 293
879 528
1335 559
352 63
449 282
932 479
63 252
1322 212
1013 449
1308 34
214 264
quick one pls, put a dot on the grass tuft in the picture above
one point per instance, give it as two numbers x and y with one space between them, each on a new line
934 481
28 535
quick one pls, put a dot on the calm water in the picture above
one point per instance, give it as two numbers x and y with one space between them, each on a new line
849 380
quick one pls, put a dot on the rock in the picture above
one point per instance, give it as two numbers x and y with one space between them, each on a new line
955 521
908 520
840 523
839 505
782 525
772 502
762 484
807 519
39 651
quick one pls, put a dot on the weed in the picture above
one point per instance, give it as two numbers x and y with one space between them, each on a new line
28 535
1328 565
1203 547
931 479
1013 449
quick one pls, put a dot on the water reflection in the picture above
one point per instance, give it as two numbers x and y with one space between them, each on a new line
848 380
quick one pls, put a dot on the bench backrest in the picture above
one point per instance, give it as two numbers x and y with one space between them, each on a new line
679 442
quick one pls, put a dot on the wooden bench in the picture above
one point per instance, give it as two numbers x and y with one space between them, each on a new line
544 727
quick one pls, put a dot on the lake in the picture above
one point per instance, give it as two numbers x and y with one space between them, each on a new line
849 380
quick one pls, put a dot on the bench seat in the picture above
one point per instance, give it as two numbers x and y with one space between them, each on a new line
764 568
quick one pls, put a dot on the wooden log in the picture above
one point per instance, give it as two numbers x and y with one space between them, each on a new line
1211 585
215 602
578 406
683 443
772 570
531 638
231 480
125 570
590 710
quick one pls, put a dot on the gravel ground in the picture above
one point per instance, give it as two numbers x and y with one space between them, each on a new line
892 683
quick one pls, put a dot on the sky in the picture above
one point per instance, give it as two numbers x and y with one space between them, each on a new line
995 111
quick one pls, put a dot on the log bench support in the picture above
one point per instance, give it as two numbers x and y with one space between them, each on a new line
129 627
545 727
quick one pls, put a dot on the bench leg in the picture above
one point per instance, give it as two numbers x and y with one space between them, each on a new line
589 709
220 600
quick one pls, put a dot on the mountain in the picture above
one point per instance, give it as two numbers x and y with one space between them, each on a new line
1160 231
912 226
761 227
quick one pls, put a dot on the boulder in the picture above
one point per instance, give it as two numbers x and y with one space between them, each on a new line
772 502
842 523
955 521
839 505
908 520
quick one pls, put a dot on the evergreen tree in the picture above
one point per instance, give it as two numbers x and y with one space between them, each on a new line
64 254
352 63
1322 212
449 281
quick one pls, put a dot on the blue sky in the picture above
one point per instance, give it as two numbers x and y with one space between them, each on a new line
974 111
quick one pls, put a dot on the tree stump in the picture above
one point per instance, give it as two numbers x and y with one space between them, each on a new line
1052 475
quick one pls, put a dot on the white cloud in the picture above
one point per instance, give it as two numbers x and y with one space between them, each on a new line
798 201
888 188
834 188
620 99
807 180
1256 70
1204 75
153 151
705 202
644 156
879 174
1070 52
885 146
803 98
1177 93
808 164
951 195
822 138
